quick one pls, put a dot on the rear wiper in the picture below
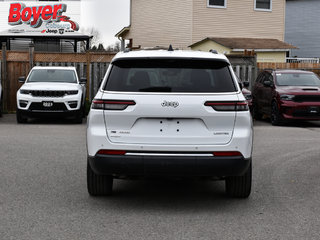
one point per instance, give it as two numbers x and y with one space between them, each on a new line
156 89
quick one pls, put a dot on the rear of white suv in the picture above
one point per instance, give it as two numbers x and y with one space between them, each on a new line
169 113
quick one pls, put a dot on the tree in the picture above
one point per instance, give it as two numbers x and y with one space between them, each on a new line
96 36
114 47
100 48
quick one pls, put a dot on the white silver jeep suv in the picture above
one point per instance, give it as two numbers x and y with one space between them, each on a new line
51 91
169 113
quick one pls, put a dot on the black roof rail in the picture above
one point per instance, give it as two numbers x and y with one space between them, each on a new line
213 51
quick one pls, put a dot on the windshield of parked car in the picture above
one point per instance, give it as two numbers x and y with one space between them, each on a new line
170 75
52 75
297 79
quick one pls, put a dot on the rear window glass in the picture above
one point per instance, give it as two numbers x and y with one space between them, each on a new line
170 75
52 75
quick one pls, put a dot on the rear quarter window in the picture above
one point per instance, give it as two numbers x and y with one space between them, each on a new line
170 75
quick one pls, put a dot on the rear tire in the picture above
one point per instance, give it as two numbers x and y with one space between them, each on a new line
256 113
1 101
20 117
98 185
239 186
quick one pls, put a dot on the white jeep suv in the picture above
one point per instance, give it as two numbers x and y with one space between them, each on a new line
51 91
169 113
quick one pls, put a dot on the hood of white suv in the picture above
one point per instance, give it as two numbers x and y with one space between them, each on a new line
50 86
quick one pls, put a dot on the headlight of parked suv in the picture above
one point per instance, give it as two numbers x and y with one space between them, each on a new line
287 97
22 91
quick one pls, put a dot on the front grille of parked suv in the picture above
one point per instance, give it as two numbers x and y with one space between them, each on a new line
47 93
307 98
56 107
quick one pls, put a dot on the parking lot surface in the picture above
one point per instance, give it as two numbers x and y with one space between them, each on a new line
43 191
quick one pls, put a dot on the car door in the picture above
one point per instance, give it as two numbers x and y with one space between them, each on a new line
267 88
257 91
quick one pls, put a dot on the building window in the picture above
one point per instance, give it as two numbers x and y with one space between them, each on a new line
263 5
217 3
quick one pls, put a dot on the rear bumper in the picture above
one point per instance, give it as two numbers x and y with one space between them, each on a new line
300 111
168 166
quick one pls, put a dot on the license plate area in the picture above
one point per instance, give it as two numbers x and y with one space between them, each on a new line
313 110
47 104
171 125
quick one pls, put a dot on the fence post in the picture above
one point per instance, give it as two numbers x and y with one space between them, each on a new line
31 56
88 75
5 84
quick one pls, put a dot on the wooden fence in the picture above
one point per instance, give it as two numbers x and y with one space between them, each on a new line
245 67
14 64
314 67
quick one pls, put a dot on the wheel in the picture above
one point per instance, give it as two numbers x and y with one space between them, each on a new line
256 113
276 118
239 186
20 117
78 116
98 185
1 101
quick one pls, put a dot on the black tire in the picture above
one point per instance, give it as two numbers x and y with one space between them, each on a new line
275 118
98 185
1 101
257 115
78 116
239 186
20 117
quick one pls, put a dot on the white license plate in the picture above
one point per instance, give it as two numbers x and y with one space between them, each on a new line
47 104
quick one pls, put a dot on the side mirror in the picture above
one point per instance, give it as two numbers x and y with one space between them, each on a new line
240 85
268 83
246 84
22 79
83 80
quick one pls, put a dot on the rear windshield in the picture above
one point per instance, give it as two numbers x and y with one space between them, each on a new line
170 75
52 75
297 79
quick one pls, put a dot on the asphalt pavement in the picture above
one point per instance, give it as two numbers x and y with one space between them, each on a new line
43 191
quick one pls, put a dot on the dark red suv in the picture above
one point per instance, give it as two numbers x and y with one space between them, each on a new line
286 95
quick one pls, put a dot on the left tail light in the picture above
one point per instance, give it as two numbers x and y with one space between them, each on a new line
111 104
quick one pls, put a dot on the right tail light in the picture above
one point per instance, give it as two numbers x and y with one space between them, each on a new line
228 106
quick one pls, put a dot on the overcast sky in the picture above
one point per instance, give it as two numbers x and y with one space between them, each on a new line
108 16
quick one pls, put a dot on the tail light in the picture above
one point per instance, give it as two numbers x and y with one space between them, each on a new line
111 152
227 154
228 106
111 104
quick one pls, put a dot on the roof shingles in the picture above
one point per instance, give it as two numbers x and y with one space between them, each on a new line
248 43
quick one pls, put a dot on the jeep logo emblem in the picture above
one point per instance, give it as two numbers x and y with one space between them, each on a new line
169 104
